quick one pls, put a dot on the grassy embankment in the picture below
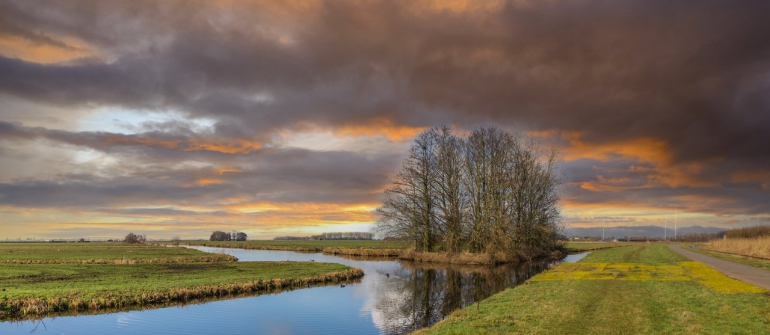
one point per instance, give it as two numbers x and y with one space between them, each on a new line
335 247
31 290
638 289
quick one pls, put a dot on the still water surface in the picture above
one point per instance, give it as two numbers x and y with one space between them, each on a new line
394 297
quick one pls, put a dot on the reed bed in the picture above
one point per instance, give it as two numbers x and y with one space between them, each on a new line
758 247
364 252
458 258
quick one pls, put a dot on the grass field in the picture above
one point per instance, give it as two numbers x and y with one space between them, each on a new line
59 285
588 246
638 289
101 253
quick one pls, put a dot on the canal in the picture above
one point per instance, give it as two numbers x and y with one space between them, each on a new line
394 297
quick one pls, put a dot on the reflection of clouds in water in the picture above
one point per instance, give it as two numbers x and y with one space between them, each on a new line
384 300
413 296
275 328
126 319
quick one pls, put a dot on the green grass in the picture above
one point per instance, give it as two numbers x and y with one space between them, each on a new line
586 246
61 278
616 306
750 261
653 254
96 280
101 253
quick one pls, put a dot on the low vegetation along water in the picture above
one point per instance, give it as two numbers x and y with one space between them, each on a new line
393 298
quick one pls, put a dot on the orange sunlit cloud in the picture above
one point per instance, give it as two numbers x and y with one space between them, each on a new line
195 144
379 127
44 53
643 150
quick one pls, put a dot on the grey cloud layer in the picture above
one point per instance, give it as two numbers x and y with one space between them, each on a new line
695 74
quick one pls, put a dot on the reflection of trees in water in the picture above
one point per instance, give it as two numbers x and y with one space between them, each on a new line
419 295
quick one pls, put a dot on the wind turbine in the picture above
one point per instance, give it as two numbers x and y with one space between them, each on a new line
604 225
665 230
675 216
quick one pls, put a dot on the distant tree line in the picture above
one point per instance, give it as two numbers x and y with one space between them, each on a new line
344 236
291 238
233 236
748 232
132 238
697 237
486 192
329 236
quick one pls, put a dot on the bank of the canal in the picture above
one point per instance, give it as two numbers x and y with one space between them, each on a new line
394 297
640 289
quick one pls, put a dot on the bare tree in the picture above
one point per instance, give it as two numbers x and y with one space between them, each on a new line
132 238
488 153
449 190
491 191
219 236
408 209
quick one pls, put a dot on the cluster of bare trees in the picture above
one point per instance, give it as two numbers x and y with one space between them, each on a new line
232 236
487 192
132 238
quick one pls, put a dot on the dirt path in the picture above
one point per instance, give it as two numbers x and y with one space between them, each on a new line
749 274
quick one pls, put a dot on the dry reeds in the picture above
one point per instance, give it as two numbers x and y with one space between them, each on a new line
754 247
364 252
457 258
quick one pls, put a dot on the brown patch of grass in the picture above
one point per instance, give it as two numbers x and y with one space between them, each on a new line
755 247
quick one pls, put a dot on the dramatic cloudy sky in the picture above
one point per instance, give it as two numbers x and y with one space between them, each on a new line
289 117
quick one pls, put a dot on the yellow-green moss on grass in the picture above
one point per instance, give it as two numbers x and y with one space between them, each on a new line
694 302
50 288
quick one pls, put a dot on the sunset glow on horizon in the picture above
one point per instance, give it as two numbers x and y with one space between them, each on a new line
178 118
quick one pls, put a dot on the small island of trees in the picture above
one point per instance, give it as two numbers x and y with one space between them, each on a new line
488 192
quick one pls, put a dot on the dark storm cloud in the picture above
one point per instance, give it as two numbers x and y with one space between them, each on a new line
693 74
681 71
157 174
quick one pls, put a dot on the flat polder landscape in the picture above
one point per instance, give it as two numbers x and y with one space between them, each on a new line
384 167
618 288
